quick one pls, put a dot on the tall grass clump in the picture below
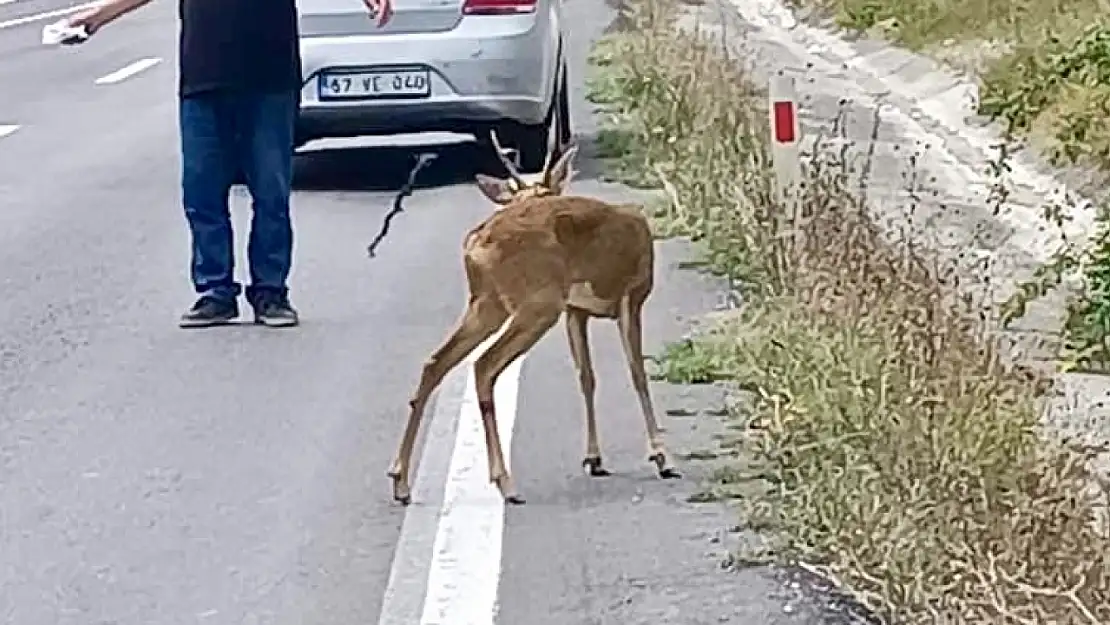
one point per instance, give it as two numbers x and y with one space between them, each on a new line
903 455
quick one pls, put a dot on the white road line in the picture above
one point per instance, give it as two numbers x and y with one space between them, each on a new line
7 129
128 71
447 567
466 559
38 17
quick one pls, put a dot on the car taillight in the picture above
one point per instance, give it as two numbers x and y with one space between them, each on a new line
498 7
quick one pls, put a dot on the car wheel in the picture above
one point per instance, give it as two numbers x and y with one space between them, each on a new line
531 144
563 110
531 141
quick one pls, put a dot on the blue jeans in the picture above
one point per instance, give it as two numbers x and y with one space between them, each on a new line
223 135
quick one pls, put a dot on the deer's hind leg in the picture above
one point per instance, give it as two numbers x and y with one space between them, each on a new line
530 321
483 316
630 322
577 335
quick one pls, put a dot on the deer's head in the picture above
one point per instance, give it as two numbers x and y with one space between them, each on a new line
551 181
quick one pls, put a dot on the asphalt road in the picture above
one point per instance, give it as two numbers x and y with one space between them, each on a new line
237 475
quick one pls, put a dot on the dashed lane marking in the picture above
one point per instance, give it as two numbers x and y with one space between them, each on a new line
7 129
128 71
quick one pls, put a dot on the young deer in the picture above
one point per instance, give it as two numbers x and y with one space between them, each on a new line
540 254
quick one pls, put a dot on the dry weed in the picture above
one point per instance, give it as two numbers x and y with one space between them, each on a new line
680 120
904 456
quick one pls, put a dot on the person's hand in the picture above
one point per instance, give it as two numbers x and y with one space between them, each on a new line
91 19
380 10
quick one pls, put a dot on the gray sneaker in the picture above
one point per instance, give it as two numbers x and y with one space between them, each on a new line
210 311
274 311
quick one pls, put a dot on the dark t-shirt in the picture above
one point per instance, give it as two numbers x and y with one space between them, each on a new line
239 45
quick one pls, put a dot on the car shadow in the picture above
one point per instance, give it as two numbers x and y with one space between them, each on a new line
587 164
386 168
382 168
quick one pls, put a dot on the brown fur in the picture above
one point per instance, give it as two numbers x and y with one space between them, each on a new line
565 242
542 254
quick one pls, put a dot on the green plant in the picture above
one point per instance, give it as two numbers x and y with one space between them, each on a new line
1064 80
1019 88
689 362
1086 330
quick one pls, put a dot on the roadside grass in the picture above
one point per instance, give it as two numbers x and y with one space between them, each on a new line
1043 64
1044 73
896 452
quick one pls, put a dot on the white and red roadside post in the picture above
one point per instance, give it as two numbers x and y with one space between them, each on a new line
786 154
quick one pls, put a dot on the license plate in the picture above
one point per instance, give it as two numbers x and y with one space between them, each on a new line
399 84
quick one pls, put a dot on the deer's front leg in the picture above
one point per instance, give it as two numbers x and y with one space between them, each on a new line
528 323
482 317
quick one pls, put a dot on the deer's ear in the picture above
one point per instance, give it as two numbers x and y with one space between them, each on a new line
498 191
560 173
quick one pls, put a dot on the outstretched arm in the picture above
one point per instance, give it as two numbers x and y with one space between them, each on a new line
104 13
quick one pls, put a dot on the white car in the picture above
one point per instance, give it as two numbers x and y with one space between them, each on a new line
462 66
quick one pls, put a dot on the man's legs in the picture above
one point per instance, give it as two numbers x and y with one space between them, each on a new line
267 123
207 168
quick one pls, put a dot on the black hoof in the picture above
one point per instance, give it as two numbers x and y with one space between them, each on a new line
594 469
665 472
404 500
515 500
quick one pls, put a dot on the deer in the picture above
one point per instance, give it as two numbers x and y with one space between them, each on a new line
539 255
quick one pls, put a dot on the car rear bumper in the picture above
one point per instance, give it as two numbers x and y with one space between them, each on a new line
488 70
468 116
